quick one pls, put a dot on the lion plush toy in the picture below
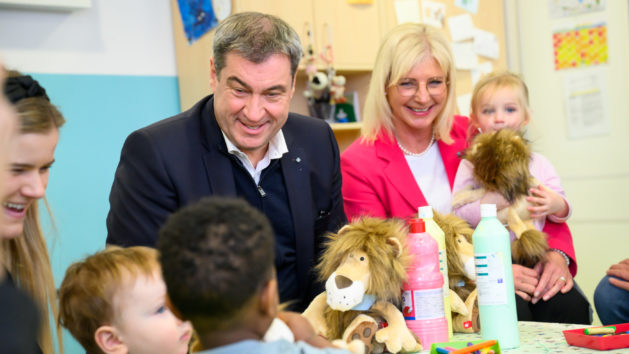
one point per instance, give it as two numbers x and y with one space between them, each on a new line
501 164
461 272
364 267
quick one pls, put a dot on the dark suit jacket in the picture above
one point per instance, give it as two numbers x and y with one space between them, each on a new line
178 160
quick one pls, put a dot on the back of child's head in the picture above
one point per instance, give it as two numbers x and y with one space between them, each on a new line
87 293
216 255
494 81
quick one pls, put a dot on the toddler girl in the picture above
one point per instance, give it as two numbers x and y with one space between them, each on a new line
500 101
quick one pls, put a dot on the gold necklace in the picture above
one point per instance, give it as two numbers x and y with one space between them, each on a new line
416 154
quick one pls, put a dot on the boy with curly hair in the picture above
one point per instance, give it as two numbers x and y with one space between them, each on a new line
115 301
217 260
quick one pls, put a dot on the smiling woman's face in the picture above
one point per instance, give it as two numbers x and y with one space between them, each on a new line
8 121
29 156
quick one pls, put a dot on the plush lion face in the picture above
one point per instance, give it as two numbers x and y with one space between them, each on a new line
501 162
460 251
366 257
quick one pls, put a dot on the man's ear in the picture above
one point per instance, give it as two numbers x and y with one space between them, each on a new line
269 298
213 75
108 340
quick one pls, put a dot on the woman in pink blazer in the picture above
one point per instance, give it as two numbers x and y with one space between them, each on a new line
411 143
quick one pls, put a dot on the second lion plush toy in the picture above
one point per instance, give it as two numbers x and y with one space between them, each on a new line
364 267
501 164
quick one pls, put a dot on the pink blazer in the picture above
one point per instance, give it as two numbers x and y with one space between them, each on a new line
377 181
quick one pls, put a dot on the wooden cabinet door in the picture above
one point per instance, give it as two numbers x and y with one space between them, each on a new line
356 31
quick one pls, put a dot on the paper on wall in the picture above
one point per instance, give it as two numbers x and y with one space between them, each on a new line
407 11
486 44
464 56
480 70
461 27
463 103
468 5
563 8
434 13
584 100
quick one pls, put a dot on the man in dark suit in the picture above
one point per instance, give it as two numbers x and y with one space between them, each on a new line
241 141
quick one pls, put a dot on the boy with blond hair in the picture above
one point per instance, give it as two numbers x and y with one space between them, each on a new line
114 301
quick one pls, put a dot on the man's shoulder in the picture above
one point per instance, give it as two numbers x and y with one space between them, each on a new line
186 124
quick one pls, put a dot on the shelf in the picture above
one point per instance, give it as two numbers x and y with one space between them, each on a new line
346 126
54 5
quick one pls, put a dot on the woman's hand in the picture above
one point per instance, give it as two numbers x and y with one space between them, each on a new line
554 277
620 270
545 201
525 281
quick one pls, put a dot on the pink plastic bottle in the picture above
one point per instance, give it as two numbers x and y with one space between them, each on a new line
423 294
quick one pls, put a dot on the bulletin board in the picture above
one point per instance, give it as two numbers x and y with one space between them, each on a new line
489 17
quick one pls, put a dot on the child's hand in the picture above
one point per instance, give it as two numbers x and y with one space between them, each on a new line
545 201
302 330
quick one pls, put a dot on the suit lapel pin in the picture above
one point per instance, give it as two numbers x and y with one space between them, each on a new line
298 159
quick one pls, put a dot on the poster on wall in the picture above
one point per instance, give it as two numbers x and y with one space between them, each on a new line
580 46
197 17
584 99
564 8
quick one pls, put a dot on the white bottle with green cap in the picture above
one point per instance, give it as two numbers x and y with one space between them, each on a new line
426 214
494 280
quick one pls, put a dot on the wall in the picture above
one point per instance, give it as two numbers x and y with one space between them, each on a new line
594 170
110 69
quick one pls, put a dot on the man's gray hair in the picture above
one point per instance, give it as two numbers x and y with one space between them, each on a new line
255 37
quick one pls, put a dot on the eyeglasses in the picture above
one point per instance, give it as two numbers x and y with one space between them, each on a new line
435 86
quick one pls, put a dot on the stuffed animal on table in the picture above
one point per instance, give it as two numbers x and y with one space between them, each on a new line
364 267
501 164
461 272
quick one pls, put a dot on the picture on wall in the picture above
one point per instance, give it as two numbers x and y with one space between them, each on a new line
581 46
197 17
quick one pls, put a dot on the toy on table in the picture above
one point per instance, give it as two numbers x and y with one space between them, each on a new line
501 164
364 266
477 346
461 273
618 339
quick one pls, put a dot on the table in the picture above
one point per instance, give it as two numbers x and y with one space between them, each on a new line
539 337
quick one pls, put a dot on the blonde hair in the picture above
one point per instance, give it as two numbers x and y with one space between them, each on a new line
403 47
89 286
26 256
494 81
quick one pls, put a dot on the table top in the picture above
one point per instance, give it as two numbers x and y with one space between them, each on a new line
540 337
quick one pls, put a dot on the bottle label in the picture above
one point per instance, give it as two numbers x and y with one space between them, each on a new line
443 268
422 304
490 278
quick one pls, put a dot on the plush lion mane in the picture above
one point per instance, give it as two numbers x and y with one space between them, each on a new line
501 162
387 269
452 225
